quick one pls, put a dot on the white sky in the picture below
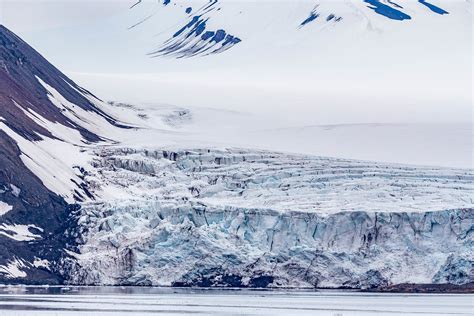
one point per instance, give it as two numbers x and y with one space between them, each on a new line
24 16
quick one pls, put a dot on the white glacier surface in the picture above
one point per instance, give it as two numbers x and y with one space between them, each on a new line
229 217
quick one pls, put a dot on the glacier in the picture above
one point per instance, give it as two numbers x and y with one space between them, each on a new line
240 218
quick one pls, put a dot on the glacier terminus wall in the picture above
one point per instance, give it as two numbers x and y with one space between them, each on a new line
240 218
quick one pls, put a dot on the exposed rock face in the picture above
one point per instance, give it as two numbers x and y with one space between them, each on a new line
189 222
32 231
20 68
33 219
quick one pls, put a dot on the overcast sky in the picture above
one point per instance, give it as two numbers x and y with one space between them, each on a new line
368 71
24 16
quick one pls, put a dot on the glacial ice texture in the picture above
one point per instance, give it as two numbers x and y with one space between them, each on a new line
259 219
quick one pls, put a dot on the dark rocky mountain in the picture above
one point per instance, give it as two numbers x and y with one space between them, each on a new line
20 65
32 204
33 219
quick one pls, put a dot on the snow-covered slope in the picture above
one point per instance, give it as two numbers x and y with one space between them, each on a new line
202 28
45 122
48 116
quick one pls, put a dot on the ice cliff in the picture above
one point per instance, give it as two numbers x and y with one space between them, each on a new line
259 219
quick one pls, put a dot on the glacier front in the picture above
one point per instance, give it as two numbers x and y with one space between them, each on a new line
242 218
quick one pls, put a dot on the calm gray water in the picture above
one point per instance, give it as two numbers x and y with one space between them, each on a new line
16 301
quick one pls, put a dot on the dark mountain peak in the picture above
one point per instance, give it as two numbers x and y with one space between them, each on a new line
32 93
21 69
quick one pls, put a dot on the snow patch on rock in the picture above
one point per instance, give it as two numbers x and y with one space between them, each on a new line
5 208
15 190
20 232
41 263
13 269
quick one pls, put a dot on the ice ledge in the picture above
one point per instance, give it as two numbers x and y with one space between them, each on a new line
266 180
139 244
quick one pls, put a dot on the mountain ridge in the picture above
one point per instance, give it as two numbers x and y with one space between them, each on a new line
32 233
